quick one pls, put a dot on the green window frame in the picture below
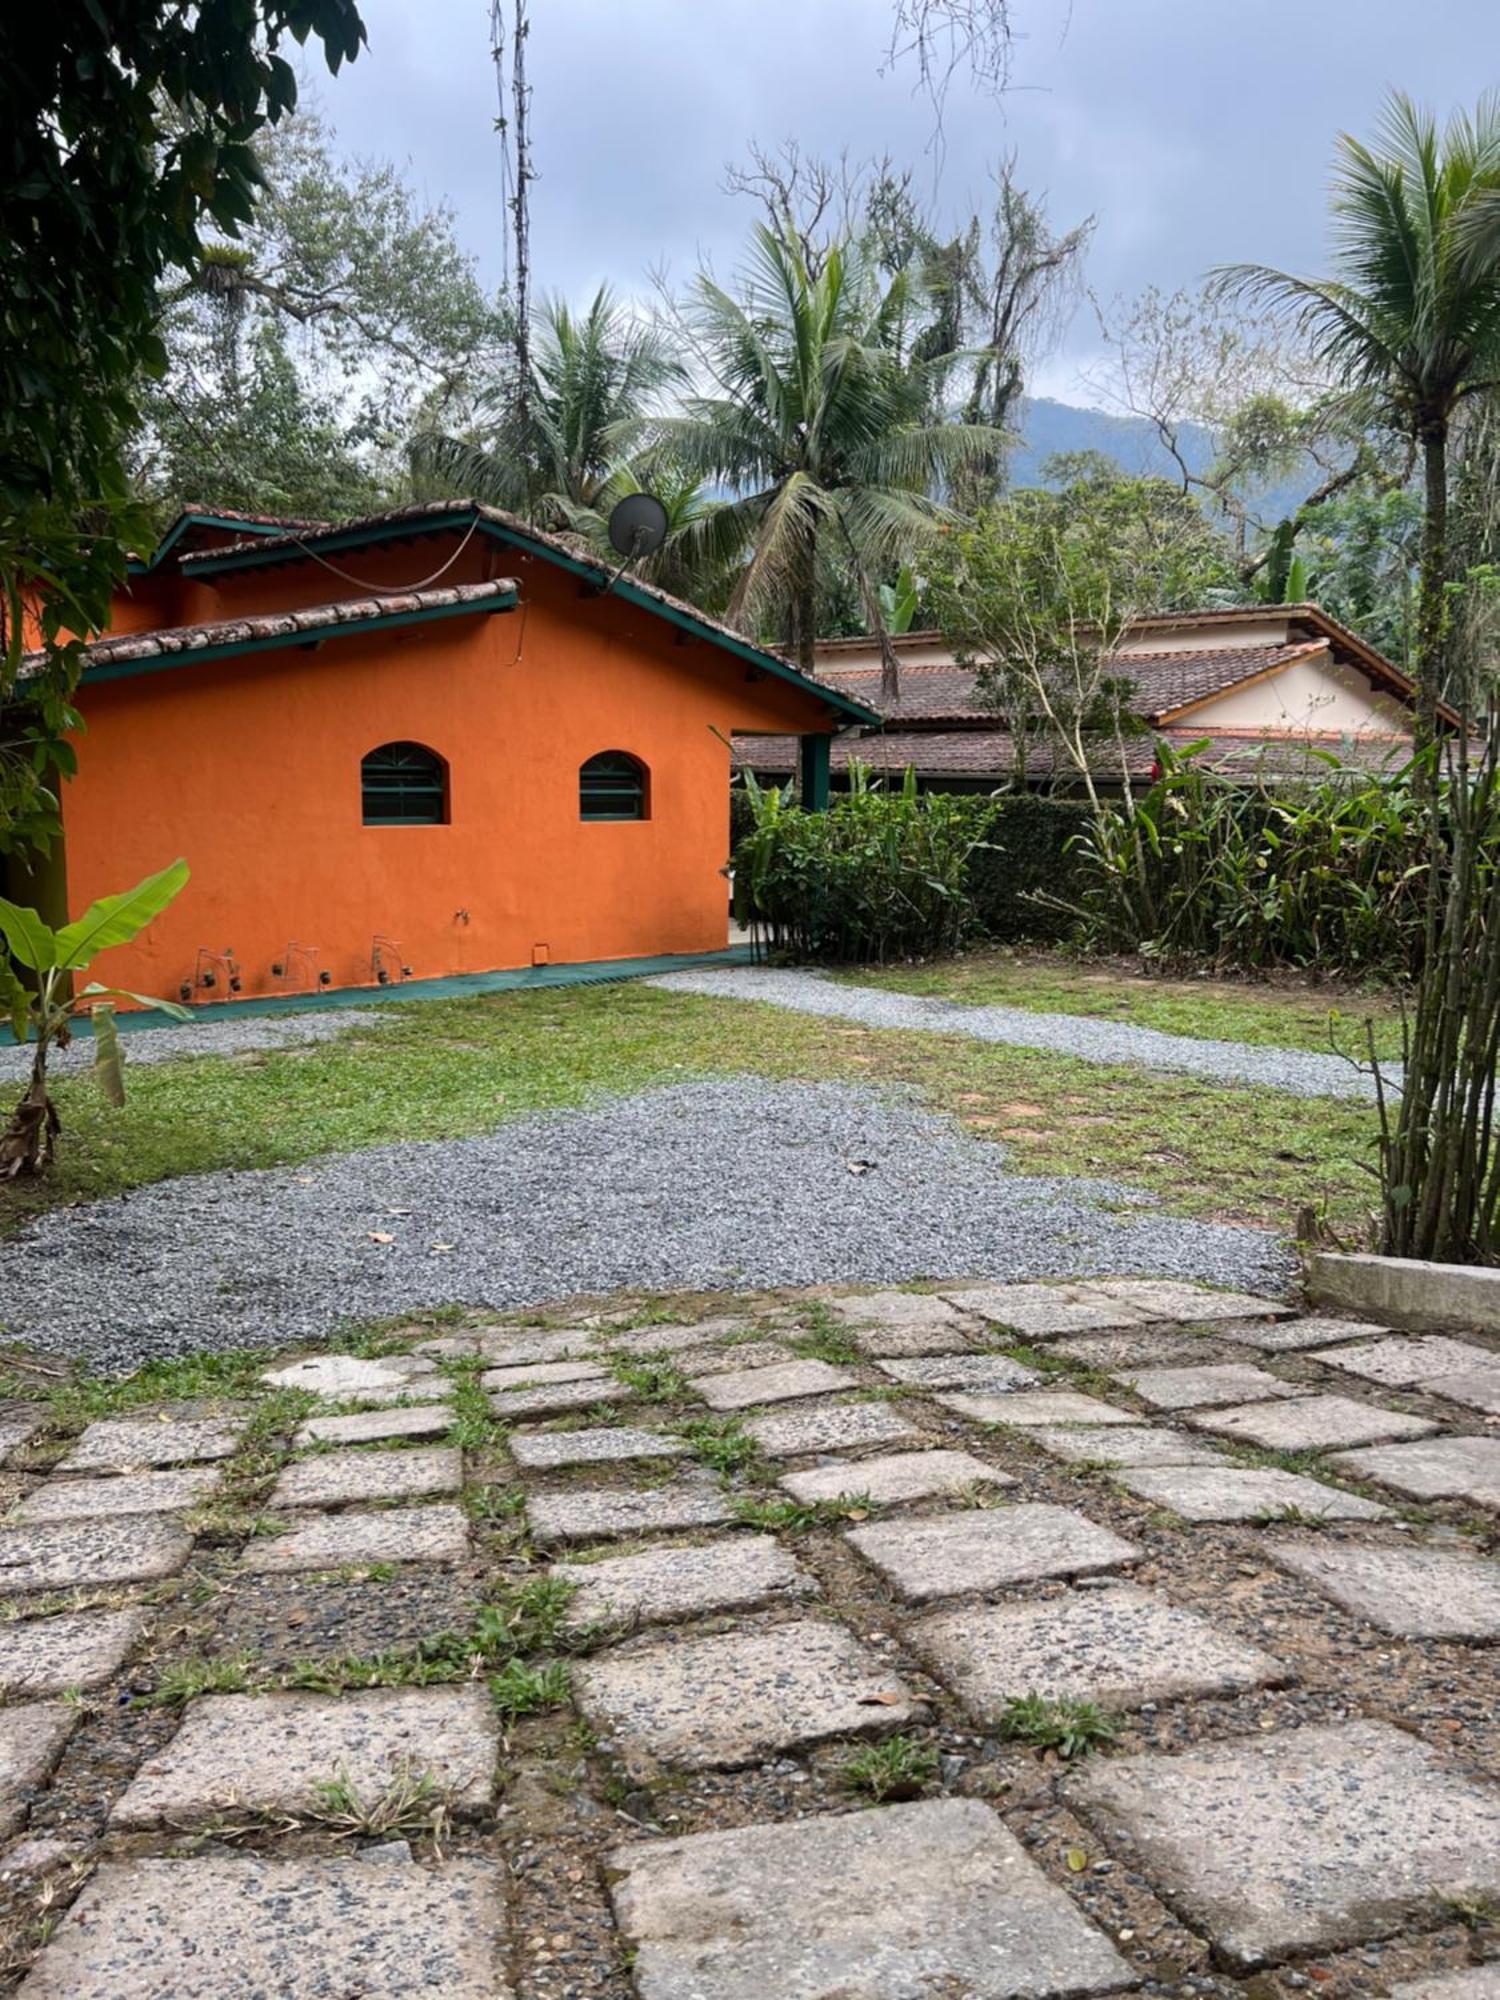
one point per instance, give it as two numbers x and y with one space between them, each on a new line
403 784
613 785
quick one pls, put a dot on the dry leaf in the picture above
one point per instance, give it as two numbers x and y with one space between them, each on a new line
442 1248
380 1236
1077 1861
883 1700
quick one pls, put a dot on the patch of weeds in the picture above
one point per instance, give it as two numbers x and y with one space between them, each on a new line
181 1680
228 1526
410 1802
520 1690
529 1618
723 1445
1033 1357
494 1503
1288 1515
899 1768
826 1339
794 1517
654 1378
1071 1728
1472 1908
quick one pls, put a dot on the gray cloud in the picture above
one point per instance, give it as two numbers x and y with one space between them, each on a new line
1196 130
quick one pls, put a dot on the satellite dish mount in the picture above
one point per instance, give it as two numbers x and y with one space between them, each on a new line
637 528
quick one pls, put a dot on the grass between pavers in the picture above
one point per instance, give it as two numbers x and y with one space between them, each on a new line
453 1069
1291 1014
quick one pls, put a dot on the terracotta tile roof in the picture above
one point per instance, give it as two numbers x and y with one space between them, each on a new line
1164 681
989 755
178 641
433 516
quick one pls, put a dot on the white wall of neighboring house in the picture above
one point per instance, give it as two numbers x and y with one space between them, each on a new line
1268 631
1317 695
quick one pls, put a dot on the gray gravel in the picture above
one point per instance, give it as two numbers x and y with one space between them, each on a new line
235 1035
700 1185
1296 1071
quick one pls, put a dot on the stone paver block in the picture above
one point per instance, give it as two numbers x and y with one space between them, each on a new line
978 1374
1480 1982
31 1741
601 1512
545 1451
542 1374
906 1475
1201 1388
1037 1408
59 1555
1414 1593
374 1426
1440 1468
388 1535
833 1427
944 1555
19 1424
900 1902
888 1343
666 1584
735 1697
349 1378
1312 1423
1124 1444
675 1339
375 1925
1407 1359
268 1751
1476 1388
76 1649
922 1311
1119 1647
1290 1336
341 1477
125 1444
1163 1298
696 1361
1244 1493
1152 1347
1304 1839
558 1398
509 1348
744 1389
132 1493
1042 1311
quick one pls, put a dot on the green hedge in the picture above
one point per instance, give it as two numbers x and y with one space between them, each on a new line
1027 855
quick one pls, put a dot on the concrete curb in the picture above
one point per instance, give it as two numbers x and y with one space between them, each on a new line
1406 1291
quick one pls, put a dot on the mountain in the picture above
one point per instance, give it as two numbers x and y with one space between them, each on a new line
1047 428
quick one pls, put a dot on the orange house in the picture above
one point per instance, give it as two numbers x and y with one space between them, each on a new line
431 742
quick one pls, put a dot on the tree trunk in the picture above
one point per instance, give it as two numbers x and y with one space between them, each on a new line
28 1142
1432 611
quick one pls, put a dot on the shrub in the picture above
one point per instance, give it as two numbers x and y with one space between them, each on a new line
1029 855
880 875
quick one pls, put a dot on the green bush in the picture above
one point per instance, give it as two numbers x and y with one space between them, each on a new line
880 875
1326 873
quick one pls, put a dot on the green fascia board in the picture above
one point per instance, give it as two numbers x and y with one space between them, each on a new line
310 635
595 573
180 527
452 986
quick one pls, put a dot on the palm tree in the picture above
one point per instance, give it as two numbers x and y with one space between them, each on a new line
813 422
1411 319
594 380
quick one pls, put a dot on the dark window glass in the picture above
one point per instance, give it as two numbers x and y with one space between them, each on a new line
612 786
404 784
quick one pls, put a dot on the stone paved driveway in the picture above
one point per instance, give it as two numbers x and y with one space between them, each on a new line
981 1644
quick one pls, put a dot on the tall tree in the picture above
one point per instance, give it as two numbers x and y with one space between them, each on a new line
123 131
1410 318
818 430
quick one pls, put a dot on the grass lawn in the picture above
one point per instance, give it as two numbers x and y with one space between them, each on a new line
1297 1015
445 1069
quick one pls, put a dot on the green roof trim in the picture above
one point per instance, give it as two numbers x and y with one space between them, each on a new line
306 636
231 524
461 518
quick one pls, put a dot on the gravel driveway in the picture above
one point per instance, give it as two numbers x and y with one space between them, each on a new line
1296 1071
232 1036
705 1185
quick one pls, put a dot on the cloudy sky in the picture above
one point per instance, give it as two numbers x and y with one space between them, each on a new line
1195 130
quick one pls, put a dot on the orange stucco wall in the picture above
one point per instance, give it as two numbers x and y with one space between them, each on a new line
250 768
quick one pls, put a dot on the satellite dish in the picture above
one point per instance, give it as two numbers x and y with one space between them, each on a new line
637 526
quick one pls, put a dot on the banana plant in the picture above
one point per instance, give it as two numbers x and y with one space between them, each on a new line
45 1006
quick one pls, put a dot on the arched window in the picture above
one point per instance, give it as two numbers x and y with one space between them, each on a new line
404 784
612 786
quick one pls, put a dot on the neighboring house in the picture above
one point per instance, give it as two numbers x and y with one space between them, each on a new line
430 739
1265 685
